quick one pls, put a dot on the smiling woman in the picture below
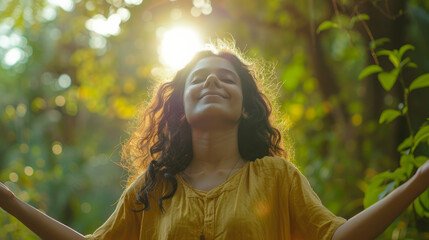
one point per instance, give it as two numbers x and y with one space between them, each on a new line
178 46
206 162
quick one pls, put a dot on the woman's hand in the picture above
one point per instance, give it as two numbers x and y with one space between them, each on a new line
6 196
42 225
422 175
369 223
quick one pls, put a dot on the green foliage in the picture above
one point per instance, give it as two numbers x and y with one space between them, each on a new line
420 82
350 22
326 25
371 69
388 79
377 43
385 182
421 135
389 115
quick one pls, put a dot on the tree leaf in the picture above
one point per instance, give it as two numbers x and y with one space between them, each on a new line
326 25
394 59
371 69
421 204
419 160
420 82
384 53
388 115
388 79
407 163
400 174
374 44
421 135
404 62
412 65
375 187
387 190
361 17
405 48
407 143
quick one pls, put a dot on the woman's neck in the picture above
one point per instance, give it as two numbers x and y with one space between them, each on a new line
215 150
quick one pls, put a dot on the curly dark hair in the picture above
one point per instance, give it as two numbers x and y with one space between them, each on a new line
162 143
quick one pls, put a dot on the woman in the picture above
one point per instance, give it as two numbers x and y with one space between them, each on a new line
213 171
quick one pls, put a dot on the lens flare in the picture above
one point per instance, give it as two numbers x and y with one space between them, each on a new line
178 46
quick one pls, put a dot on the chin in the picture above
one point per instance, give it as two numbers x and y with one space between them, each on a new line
213 119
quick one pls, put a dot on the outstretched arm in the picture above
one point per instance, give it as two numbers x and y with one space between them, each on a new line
369 223
41 224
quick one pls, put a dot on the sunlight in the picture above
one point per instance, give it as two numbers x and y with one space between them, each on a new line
178 46
104 26
66 5
13 56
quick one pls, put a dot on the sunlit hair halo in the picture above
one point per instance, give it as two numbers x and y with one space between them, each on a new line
162 145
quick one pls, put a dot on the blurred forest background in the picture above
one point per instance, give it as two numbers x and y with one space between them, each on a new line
74 72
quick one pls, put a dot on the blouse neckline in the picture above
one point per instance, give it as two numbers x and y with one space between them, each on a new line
229 184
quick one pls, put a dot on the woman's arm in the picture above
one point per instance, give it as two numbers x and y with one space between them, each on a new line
372 221
41 224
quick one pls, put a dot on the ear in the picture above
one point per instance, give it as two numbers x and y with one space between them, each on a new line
244 114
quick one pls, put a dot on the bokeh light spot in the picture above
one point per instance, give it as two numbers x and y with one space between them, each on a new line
97 42
13 56
21 109
13 176
207 10
86 207
195 12
64 80
66 5
90 6
133 2
357 119
124 14
106 27
10 111
28 171
57 148
60 101
49 13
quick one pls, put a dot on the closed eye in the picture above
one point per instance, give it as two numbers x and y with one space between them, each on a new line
197 80
227 80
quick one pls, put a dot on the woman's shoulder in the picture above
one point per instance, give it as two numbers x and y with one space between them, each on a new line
274 163
135 183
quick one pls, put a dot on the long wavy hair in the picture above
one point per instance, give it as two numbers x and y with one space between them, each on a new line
161 143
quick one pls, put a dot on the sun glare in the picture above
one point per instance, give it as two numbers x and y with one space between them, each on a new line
178 46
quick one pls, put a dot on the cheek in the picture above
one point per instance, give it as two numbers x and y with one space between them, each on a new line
188 101
239 99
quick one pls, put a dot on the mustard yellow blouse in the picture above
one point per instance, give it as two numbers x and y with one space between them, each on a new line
266 199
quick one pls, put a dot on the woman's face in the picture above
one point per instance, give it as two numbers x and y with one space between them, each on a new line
213 96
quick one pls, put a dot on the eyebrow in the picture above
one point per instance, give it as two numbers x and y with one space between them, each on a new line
221 70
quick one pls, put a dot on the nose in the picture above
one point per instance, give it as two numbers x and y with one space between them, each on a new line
211 81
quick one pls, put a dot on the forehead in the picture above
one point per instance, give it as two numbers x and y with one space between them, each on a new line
213 63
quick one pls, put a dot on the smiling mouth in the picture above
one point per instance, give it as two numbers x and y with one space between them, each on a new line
212 95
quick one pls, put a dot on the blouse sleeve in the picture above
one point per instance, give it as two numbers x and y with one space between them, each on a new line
309 218
124 223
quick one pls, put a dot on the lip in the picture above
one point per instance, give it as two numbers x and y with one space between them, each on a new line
212 94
